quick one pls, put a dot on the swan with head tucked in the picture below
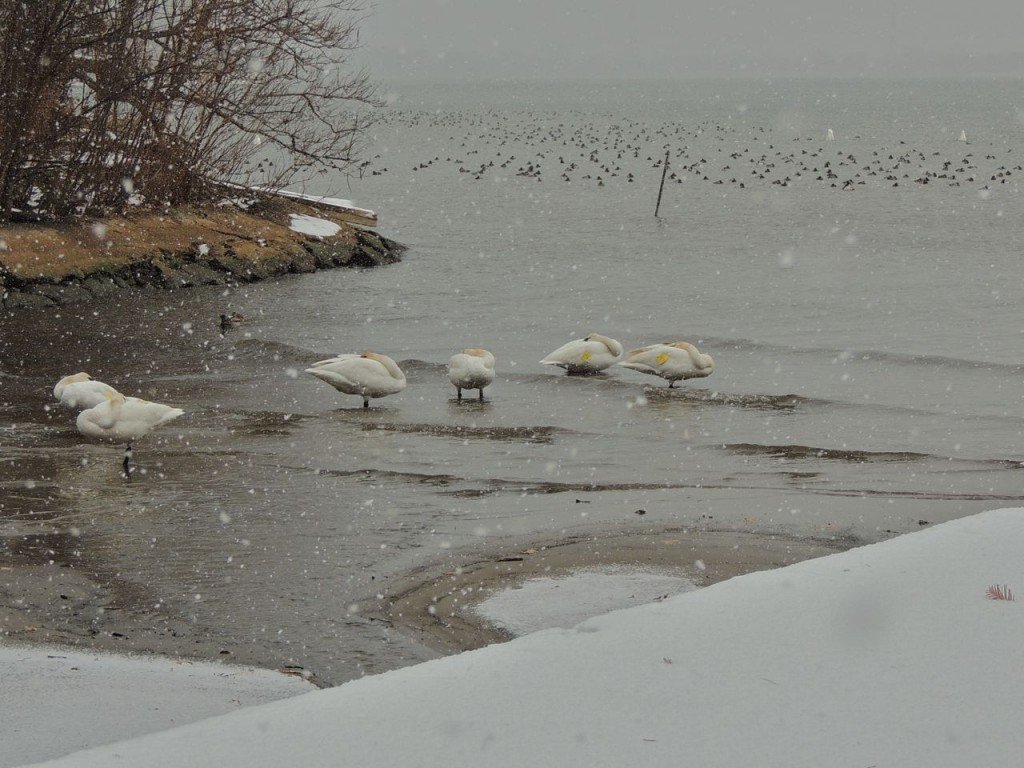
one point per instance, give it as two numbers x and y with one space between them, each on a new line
471 369
588 355
124 419
671 361
80 391
369 375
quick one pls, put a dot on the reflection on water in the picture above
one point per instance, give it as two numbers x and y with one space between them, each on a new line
470 432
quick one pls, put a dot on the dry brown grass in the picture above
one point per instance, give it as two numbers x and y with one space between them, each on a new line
999 592
77 248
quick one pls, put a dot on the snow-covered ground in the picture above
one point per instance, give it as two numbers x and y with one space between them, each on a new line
56 701
313 226
894 654
330 202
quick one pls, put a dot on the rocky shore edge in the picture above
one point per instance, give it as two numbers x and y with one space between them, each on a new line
53 264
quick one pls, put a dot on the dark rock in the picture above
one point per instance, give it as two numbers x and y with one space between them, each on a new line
100 285
24 300
303 263
204 274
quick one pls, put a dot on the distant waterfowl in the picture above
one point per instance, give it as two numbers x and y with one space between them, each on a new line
368 375
80 390
673 362
584 356
124 419
471 369
228 322
612 155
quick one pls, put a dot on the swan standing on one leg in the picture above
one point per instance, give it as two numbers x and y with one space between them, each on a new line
369 375
674 362
584 356
471 369
124 419
80 390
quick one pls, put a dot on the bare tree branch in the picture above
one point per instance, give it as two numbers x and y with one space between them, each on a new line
111 100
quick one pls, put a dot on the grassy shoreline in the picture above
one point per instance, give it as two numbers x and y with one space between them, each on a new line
58 263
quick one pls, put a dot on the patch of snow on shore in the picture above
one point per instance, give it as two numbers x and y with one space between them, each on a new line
313 226
58 701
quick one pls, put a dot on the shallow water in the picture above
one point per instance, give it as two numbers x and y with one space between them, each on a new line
867 341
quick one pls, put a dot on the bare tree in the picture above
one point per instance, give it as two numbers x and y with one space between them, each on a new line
110 101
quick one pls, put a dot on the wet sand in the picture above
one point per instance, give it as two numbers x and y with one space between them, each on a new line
69 607
436 606
55 605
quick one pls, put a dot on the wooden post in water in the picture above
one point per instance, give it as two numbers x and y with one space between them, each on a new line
664 171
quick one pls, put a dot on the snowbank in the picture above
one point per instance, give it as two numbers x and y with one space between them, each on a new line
891 654
57 701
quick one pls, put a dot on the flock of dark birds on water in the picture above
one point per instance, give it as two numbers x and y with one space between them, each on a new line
107 415
496 145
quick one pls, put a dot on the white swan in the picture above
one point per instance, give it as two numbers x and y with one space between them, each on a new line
369 374
80 390
124 419
471 369
675 361
588 355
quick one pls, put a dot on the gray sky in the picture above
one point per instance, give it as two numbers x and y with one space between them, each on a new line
665 38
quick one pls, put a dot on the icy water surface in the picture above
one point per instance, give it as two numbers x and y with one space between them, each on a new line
861 298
